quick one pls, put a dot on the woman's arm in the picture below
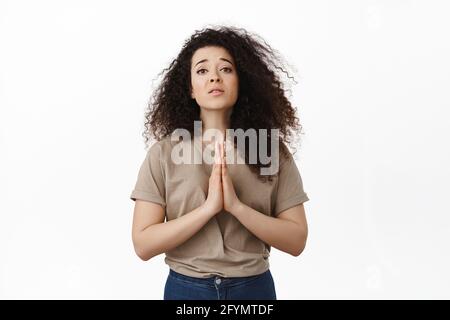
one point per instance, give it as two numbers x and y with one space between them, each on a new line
152 236
287 232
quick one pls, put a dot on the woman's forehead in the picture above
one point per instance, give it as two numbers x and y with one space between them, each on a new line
211 53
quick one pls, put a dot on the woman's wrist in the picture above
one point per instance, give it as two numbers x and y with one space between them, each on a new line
206 210
237 208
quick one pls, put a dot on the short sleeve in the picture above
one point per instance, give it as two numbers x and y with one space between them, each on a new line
150 185
290 191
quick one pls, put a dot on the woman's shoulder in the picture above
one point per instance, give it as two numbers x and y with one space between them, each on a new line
285 154
158 146
162 148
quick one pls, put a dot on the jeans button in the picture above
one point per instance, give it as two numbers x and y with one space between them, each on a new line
218 281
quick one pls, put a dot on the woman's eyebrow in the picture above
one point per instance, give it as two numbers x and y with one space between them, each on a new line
223 59
226 60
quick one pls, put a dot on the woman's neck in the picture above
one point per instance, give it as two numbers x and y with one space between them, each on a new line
215 119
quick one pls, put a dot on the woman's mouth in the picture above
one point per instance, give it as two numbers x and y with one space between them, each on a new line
216 92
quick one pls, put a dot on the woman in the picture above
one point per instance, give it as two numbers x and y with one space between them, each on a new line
222 218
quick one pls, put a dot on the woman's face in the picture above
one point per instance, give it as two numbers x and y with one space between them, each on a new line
214 68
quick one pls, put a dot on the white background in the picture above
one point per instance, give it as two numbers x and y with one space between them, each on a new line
372 94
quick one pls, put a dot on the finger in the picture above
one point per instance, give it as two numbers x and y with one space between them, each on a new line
224 168
216 152
222 151
217 170
222 154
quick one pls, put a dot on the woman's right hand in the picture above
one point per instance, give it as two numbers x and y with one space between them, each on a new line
214 201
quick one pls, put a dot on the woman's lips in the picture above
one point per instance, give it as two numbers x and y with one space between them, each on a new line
216 92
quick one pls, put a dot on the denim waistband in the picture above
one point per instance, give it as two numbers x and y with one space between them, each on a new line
217 280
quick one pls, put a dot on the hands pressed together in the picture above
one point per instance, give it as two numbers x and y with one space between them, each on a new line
221 193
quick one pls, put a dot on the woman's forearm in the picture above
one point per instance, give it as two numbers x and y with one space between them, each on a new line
284 235
162 237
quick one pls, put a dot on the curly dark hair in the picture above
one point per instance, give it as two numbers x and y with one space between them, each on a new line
261 102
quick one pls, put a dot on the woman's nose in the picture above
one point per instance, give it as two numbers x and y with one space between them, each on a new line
214 78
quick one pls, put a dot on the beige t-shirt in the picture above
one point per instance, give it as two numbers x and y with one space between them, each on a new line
223 246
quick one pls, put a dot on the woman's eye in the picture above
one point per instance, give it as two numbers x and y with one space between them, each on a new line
203 71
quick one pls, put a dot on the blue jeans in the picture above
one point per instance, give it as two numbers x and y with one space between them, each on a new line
181 287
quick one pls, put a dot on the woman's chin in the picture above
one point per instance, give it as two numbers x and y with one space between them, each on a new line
216 107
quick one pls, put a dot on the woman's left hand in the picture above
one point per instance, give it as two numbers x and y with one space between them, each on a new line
230 200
